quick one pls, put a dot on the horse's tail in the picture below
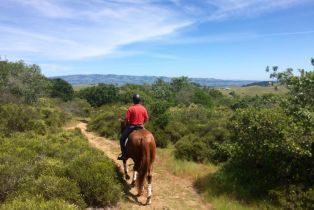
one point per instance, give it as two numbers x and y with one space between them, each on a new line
144 167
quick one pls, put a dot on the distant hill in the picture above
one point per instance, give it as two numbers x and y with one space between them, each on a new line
262 83
127 79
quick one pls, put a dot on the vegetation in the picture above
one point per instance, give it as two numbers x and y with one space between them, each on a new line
263 144
61 89
42 166
254 148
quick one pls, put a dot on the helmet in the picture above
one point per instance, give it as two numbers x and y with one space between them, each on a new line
136 98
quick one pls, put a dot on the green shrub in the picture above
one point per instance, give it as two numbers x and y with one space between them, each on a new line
37 203
99 95
61 89
51 166
21 83
294 197
97 178
22 118
76 107
106 121
52 187
271 150
191 147
161 138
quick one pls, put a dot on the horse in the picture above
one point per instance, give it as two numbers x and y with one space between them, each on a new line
141 148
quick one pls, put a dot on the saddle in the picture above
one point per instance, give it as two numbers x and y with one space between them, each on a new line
137 127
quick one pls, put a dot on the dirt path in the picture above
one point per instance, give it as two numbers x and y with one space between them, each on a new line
169 191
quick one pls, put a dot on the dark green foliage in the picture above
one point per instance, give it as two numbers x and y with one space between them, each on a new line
61 89
192 147
21 83
56 166
97 179
201 97
294 197
106 121
99 95
21 117
161 138
162 90
264 101
53 187
37 202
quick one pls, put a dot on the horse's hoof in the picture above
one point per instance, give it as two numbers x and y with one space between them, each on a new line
149 201
133 184
127 177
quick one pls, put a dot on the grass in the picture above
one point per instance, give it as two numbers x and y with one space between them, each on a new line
201 175
254 90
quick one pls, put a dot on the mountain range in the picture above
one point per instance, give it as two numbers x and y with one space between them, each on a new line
82 79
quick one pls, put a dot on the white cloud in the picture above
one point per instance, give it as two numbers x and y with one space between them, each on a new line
76 29
58 29
206 10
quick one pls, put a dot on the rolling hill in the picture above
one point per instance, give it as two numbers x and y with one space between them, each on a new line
127 79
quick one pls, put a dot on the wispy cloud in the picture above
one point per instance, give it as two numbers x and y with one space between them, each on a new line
71 29
209 10
76 29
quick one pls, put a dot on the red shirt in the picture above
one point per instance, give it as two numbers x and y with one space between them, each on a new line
136 115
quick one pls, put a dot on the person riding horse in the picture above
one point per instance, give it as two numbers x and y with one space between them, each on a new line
135 118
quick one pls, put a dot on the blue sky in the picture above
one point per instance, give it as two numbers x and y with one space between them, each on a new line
225 39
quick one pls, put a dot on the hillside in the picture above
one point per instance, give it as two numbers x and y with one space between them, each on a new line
140 80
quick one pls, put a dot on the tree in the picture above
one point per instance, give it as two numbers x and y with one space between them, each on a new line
20 82
61 89
100 95
179 83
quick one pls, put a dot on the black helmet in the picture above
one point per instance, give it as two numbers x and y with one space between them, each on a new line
136 98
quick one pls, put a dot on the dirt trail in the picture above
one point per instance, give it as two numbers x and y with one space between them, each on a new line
169 191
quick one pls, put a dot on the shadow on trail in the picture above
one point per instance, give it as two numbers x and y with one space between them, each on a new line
128 195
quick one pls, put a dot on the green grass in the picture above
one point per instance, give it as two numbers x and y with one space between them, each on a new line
255 90
200 174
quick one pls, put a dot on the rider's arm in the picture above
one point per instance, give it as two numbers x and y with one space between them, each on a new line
145 116
128 116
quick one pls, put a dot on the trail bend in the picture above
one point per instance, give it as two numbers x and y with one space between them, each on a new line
169 191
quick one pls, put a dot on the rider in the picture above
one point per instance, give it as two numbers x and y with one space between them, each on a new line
135 118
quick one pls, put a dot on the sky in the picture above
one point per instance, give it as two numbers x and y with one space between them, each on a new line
223 39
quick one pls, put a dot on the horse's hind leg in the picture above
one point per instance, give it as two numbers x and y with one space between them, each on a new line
135 169
134 178
125 166
149 189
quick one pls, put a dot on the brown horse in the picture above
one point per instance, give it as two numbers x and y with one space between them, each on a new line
141 148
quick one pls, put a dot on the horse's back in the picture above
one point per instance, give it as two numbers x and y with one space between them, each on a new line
143 138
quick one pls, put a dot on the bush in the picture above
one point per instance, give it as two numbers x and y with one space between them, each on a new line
22 118
61 89
52 187
37 203
99 95
106 121
76 108
191 147
97 179
21 83
51 166
294 197
271 150
161 138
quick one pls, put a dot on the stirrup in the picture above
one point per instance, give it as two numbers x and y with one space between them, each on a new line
121 157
